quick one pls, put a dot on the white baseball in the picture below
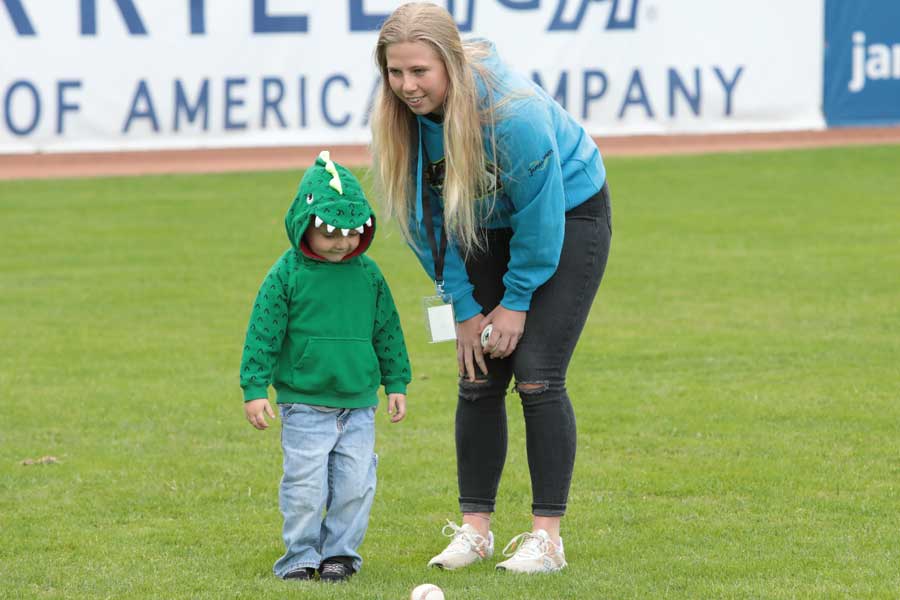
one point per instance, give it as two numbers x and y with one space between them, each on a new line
427 591
486 334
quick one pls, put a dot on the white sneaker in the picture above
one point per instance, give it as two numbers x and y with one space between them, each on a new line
533 553
467 547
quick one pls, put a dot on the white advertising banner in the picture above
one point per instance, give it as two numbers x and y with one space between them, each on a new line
87 75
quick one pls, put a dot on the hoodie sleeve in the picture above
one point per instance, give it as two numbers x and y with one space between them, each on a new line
265 333
534 184
387 338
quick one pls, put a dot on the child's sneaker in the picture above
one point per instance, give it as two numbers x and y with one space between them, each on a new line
533 553
467 547
336 569
301 574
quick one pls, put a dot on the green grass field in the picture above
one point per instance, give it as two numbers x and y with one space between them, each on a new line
737 391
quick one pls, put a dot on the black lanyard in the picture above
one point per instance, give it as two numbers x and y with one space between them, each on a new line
437 252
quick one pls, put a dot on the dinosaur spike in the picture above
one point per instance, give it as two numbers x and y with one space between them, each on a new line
335 182
345 232
318 221
329 227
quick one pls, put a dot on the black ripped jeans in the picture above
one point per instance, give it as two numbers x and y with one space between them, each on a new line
558 312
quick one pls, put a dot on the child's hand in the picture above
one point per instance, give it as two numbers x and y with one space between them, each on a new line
256 411
397 407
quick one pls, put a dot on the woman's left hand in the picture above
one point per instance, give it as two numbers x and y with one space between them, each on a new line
509 325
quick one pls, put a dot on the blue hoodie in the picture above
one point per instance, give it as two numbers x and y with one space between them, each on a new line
548 164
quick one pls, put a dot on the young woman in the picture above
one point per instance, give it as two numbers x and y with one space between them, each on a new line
503 198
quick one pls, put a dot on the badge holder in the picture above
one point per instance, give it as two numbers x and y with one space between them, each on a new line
439 318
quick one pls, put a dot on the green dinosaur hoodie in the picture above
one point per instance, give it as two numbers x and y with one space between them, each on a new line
320 332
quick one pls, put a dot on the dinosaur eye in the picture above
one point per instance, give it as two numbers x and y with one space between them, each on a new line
309 198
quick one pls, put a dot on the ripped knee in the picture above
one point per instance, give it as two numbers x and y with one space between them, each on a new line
474 390
531 387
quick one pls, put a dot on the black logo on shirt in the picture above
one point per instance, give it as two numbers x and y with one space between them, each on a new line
435 173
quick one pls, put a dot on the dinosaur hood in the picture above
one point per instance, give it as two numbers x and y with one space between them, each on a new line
330 194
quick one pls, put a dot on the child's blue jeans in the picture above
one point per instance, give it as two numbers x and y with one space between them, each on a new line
329 467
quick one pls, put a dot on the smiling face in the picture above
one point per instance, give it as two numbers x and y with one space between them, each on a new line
417 76
333 246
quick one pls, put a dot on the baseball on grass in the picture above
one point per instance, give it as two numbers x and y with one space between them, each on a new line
486 334
427 591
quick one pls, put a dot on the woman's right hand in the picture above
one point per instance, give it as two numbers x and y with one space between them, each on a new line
468 347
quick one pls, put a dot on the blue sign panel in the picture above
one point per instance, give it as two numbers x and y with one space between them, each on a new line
862 62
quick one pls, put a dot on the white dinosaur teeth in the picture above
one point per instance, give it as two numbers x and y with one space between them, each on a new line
360 228
345 232
329 228
369 222
318 221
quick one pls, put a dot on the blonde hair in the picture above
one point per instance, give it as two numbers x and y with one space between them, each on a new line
394 125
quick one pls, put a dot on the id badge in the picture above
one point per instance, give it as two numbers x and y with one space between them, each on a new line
439 319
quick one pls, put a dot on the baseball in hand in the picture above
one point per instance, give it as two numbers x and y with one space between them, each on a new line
427 591
486 334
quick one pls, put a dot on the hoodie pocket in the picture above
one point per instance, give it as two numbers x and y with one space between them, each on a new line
346 366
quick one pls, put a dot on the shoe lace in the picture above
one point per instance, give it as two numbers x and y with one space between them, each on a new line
333 568
526 546
463 539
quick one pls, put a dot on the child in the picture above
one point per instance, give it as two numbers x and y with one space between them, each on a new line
325 333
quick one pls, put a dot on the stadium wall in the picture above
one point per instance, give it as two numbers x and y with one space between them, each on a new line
102 75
